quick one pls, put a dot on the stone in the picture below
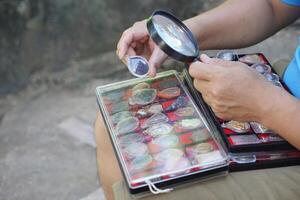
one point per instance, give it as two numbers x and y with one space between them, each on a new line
185 111
188 124
200 135
117 117
271 77
143 96
155 119
141 86
141 162
202 148
169 93
126 140
127 125
169 154
250 59
178 103
151 109
159 129
261 68
165 141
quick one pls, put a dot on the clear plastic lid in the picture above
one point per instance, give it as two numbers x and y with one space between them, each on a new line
157 130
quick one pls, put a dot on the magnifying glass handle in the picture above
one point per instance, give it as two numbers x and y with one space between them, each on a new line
197 59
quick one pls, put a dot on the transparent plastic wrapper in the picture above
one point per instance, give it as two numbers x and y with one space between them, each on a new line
160 136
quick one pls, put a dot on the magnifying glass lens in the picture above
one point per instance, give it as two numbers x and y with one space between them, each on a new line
174 35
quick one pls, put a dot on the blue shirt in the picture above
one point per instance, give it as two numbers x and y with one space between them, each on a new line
291 2
291 76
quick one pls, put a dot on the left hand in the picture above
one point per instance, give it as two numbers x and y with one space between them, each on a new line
232 89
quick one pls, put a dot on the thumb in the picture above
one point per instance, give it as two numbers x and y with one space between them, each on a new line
156 60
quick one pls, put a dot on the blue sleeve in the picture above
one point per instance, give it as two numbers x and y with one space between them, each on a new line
292 2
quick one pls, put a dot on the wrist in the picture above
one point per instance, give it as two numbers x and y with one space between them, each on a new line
266 102
279 107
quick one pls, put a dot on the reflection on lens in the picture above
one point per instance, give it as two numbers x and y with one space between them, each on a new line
174 36
138 66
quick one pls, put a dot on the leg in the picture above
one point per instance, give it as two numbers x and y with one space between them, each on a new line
107 164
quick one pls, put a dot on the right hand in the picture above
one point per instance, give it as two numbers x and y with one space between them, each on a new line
136 41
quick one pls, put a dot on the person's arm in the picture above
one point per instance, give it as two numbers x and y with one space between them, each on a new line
238 23
283 117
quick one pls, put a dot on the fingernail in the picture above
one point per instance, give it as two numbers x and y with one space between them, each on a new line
123 60
118 52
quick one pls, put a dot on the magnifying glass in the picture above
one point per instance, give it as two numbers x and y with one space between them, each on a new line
176 40
173 37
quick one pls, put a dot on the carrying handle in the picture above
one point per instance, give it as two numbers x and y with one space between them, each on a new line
156 190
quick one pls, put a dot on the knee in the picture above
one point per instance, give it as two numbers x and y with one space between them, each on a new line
101 134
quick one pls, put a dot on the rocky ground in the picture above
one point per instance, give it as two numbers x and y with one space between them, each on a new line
47 149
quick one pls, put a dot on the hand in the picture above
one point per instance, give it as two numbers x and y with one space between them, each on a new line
135 41
232 89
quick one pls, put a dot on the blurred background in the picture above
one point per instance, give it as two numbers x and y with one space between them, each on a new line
53 54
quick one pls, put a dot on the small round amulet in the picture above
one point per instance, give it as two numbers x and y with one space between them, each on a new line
188 124
227 55
135 149
117 117
238 127
203 148
271 77
261 68
138 66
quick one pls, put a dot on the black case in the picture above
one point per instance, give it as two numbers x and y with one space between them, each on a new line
254 156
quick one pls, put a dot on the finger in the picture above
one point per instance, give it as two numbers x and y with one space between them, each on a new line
202 86
206 99
125 42
205 58
138 32
200 70
156 60
222 116
130 52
